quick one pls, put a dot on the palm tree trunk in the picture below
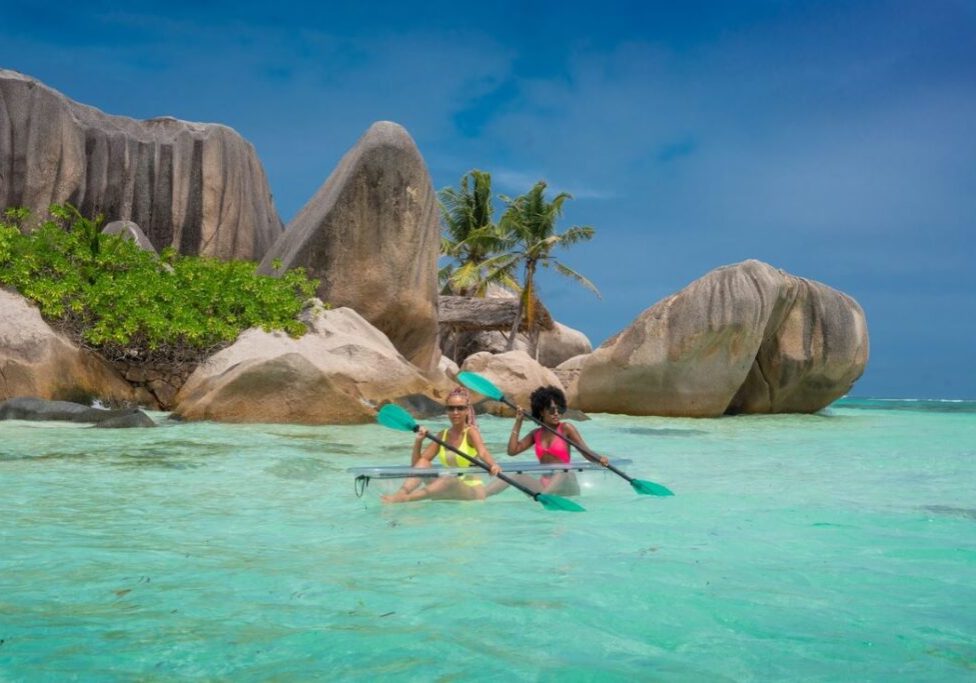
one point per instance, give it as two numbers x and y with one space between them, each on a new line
515 325
523 304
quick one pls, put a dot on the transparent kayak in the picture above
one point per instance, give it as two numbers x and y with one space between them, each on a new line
389 478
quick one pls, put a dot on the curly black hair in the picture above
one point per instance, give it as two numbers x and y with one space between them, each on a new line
543 397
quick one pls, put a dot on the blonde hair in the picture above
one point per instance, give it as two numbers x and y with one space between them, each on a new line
466 395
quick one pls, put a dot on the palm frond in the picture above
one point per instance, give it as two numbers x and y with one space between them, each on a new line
570 273
576 234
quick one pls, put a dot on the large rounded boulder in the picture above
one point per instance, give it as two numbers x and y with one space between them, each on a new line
37 361
560 344
746 338
335 374
193 186
370 235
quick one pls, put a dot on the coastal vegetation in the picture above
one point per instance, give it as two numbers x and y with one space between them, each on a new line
483 252
128 304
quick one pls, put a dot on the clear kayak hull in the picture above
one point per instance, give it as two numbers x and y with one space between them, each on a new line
381 480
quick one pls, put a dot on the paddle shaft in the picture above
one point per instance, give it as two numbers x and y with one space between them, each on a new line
482 464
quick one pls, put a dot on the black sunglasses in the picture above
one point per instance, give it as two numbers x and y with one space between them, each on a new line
554 409
454 409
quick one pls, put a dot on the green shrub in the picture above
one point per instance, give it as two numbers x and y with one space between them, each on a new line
126 303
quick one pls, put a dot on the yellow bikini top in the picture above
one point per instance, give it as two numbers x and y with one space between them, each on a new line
450 459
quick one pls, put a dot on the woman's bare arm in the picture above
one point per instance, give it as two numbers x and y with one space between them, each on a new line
474 437
574 434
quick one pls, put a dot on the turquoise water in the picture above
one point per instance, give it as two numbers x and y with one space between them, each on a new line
828 547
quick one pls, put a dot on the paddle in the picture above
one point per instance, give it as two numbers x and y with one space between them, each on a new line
395 417
483 386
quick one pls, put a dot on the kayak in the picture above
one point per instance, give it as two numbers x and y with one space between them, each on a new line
389 478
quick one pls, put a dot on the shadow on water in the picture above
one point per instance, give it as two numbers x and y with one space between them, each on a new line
317 443
951 511
56 455
177 454
341 448
156 461
302 469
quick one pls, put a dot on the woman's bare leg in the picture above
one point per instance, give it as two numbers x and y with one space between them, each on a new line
442 488
497 486
408 487
564 484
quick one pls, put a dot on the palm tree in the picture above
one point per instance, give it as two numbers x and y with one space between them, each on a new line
472 239
529 224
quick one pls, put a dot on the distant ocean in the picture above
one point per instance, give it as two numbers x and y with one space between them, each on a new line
836 546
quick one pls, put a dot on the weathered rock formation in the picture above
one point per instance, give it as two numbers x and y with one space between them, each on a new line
515 373
560 344
130 231
746 338
334 374
37 361
371 236
568 373
197 187
29 408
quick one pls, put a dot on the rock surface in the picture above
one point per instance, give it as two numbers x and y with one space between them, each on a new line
568 373
555 346
132 232
560 344
197 187
37 361
29 408
335 374
371 236
746 338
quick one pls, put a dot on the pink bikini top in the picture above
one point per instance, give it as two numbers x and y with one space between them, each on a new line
558 447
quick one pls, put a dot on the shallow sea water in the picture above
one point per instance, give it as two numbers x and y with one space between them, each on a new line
839 546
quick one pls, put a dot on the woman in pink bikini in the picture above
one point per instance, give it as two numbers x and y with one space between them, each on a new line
548 405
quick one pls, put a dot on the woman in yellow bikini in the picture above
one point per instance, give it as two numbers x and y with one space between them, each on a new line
463 434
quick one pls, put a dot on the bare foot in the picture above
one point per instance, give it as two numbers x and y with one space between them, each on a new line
398 497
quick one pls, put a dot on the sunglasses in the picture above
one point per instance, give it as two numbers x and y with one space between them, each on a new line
456 409
555 409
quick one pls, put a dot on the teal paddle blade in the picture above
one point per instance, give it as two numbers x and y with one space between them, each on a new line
395 417
551 502
649 488
476 382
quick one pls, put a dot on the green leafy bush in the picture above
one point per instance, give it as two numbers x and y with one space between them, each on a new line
126 303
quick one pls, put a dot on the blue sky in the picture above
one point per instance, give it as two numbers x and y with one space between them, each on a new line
834 140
